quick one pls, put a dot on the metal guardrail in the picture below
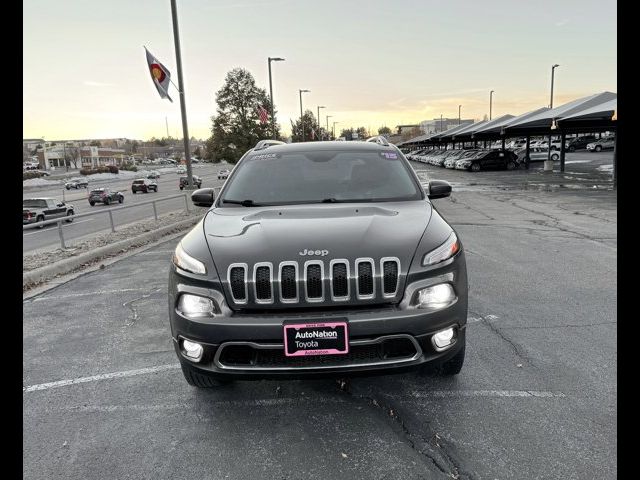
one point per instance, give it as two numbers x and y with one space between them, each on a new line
109 212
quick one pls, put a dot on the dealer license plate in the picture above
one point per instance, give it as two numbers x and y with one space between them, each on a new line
316 339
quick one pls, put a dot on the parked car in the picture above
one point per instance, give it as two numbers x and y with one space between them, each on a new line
536 155
197 181
605 143
105 195
489 160
223 174
556 144
255 288
40 209
580 143
76 183
181 169
153 175
144 185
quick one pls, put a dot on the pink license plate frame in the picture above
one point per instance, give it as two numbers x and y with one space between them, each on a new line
319 351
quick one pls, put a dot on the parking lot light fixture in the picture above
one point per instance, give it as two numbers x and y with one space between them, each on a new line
319 107
328 117
490 103
548 164
459 109
273 121
301 117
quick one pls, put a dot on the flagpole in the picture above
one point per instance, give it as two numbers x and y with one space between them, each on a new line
183 108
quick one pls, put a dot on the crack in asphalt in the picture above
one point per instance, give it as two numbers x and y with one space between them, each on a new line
486 320
134 310
455 200
446 464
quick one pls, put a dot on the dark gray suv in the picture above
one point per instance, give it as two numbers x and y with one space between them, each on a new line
320 258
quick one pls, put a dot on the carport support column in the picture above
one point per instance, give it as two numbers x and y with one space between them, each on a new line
503 143
527 152
615 160
563 137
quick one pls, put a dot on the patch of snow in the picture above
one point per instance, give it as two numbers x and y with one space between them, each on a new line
38 182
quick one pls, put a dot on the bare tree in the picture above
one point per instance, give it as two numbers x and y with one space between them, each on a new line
72 155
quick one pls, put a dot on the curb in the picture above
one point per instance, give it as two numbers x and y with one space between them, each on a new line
39 275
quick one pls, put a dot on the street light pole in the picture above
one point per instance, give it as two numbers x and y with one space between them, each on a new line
548 164
441 129
334 129
328 117
273 120
183 108
301 117
459 108
490 103
319 107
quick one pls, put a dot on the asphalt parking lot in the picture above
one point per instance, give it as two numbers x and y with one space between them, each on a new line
104 396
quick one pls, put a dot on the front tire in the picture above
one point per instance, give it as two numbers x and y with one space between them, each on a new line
120 199
200 381
512 165
40 221
453 366
555 157
475 167
107 201
92 203
598 148
70 216
68 188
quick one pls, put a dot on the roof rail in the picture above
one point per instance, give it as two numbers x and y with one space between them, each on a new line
262 144
379 139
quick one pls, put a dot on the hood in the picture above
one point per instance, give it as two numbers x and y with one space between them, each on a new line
290 233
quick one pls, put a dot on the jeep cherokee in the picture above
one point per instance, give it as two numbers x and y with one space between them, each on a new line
318 258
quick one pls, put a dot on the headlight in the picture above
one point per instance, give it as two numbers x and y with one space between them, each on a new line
187 262
445 251
436 296
196 306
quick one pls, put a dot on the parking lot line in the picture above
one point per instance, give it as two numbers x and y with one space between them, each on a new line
95 378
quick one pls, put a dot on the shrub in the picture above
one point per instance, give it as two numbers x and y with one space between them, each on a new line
100 169
129 167
112 169
31 174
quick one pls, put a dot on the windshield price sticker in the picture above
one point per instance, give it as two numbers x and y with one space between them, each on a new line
389 155
264 156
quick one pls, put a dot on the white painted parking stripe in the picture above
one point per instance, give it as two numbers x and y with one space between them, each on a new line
95 378
77 222
87 294
485 393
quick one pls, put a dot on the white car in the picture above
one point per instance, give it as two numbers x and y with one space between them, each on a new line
181 169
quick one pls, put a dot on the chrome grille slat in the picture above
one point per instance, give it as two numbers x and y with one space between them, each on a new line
314 281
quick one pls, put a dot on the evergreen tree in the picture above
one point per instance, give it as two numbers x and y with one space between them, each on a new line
311 128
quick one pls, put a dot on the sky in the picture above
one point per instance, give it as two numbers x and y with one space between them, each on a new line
370 62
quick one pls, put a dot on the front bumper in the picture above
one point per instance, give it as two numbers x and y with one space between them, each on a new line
382 338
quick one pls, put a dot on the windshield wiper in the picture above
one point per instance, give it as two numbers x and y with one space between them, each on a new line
346 200
244 203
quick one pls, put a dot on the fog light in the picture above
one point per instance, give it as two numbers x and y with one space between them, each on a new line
436 296
192 350
443 338
196 306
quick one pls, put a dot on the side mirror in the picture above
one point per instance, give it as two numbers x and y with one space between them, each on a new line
439 189
203 197
61 204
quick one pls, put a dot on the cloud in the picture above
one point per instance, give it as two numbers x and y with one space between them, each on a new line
91 83
562 23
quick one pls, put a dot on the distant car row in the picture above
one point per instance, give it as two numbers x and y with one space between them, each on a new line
467 159
588 142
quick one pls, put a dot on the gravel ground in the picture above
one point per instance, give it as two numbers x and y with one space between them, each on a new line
40 259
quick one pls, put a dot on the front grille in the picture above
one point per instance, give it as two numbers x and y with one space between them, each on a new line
391 350
314 281
340 280
365 278
263 283
288 282
237 281
389 277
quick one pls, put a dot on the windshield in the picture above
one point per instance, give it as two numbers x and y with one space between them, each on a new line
34 203
317 176
99 191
